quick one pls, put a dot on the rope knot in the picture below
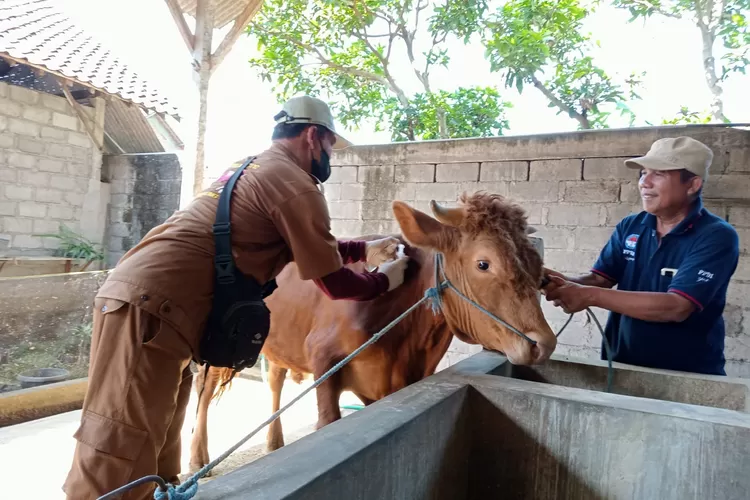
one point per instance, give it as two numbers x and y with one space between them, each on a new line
433 294
185 491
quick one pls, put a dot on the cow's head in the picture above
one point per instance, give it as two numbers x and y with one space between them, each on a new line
489 257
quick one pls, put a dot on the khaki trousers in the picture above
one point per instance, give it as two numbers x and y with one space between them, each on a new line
138 390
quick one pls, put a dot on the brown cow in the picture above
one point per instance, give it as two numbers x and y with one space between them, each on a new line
487 255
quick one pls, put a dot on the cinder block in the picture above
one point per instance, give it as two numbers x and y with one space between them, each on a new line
345 210
80 140
739 217
342 174
23 127
560 238
377 227
742 273
8 174
538 191
457 172
375 173
24 95
739 161
78 169
728 187
65 121
56 103
504 171
567 261
533 213
4 89
21 161
616 212
332 191
75 199
10 108
52 133
629 192
63 213
744 236
574 215
46 226
17 225
499 188
38 115
32 209
120 229
7 208
49 195
63 182
60 151
608 168
7 141
568 169
16 192
438 192
601 191
406 191
352 192
29 145
343 228
50 165
35 178
27 242
377 210
415 173
592 238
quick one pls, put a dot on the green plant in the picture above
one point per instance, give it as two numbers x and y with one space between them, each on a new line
75 246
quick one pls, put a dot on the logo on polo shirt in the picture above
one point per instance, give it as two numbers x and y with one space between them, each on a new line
631 241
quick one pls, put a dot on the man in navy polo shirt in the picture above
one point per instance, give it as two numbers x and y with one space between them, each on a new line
671 264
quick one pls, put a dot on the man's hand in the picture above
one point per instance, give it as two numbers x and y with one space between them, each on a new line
551 285
572 297
395 271
380 251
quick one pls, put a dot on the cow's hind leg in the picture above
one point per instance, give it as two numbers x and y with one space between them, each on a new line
199 443
328 394
275 435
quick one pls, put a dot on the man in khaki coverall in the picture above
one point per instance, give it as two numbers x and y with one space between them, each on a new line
149 314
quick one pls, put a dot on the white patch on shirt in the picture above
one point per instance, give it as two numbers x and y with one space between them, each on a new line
704 276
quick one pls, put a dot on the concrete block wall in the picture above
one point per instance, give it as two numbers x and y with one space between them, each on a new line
145 191
49 172
575 189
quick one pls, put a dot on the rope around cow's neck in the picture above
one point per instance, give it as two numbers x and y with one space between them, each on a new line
189 488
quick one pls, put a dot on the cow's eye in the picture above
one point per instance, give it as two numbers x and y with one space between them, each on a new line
483 265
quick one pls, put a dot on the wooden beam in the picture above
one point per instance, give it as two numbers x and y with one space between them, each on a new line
179 19
240 22
204 22
81 116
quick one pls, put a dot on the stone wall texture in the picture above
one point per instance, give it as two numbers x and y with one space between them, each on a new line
575 189
49 172
145 191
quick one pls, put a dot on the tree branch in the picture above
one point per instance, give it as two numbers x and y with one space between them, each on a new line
561 105
234 33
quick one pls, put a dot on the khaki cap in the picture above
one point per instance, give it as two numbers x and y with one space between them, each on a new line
308 109
675 153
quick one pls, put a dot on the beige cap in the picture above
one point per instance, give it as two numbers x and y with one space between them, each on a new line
308 109
675 153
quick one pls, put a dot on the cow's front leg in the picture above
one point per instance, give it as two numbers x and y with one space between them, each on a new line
328 398
276 377
199 444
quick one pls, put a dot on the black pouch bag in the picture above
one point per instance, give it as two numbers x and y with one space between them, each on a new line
239 321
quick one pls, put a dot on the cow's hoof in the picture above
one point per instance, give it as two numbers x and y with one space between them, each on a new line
196 467
274 445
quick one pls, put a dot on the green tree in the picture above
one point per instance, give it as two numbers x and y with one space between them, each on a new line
685 116
346 50
541 43
723 19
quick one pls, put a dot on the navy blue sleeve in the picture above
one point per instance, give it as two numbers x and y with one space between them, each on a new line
708 267
611 262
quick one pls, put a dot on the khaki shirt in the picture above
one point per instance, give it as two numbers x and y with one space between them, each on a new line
278 215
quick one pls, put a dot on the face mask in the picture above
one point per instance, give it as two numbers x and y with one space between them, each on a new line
321 169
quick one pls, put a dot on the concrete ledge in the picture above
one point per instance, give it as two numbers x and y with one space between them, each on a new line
38 402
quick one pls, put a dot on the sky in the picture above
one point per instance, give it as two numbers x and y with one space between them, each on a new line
241 107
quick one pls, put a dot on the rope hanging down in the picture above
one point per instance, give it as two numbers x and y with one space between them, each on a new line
189 488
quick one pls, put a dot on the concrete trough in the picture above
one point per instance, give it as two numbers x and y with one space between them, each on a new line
466 433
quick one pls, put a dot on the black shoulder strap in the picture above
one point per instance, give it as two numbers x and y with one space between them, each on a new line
223 260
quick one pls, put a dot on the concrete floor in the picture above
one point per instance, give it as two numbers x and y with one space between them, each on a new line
39 452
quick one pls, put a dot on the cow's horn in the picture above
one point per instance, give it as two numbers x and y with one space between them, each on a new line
448 216
530 230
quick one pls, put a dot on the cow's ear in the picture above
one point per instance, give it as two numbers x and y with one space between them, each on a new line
418 228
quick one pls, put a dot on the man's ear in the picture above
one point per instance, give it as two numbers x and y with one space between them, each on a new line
695 185
418 228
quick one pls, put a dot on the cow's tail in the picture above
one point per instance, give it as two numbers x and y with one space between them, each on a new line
226 375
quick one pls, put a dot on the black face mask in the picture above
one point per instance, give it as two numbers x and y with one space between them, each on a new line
321 169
